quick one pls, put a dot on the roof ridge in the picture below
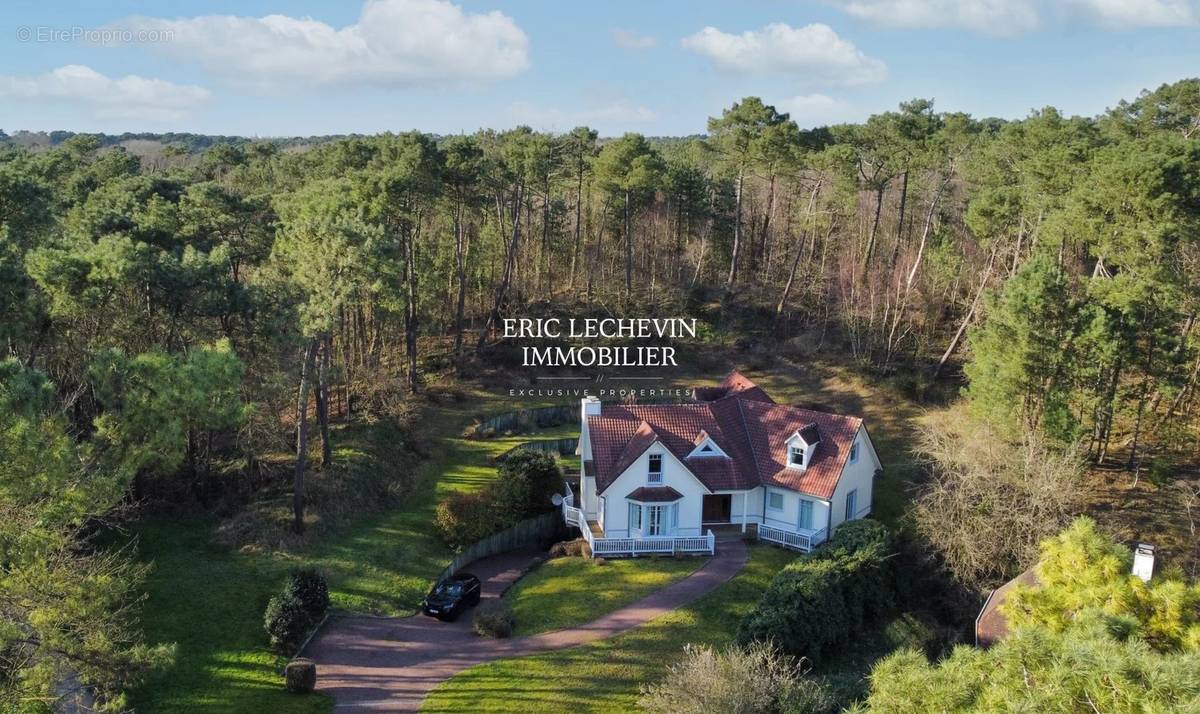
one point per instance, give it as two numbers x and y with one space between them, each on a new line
749 442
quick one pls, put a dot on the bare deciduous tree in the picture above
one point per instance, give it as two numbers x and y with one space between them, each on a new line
987 502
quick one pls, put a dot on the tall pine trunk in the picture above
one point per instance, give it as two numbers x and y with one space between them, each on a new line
628 253
460 265
869 252
323 400
509 264
306 367
737 232
410 310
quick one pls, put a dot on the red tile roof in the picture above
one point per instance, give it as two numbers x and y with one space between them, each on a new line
654 494
743 421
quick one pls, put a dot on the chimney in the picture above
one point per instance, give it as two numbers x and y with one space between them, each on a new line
588 406
1143 561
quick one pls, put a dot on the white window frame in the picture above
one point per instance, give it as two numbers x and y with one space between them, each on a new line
793 451
770 495
650 472
851 503
656 520
854 452
634 508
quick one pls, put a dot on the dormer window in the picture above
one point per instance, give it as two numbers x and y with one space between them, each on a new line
654 474
705 446
801 446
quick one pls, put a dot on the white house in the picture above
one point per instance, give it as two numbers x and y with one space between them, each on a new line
659 477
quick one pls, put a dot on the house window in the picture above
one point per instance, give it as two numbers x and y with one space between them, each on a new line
655 473
635 517
854 452
796 456
775 500
851 504
806 514
707 448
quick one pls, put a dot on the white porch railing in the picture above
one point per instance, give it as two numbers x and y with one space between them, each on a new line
655 544
645 545
574 517
800 540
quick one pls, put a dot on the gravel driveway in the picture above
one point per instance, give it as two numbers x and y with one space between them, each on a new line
391 664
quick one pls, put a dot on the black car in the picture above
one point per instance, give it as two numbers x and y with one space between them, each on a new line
450 597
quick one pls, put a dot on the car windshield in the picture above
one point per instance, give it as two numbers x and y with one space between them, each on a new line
448 589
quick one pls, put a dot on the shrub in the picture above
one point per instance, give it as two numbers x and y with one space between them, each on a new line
309 587
286 622
300 676
464 518
570 549
494 618
755 680
816 603
293 613
527 481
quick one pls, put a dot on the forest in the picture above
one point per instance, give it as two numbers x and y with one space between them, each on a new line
179 334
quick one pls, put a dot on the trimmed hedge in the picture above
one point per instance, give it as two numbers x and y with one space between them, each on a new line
296 610
818 602
525 482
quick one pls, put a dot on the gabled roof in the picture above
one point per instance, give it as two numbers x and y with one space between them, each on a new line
743 422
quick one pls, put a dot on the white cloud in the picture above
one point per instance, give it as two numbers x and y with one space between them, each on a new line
814 52
617 113
997 17
129 97
630 40
811 110
395 43
1012 17
1126 14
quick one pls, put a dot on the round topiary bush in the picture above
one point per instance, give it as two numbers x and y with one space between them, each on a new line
309 587
300 675
286 622
494 618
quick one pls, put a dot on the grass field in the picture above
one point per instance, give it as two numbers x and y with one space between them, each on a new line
209 599
565 592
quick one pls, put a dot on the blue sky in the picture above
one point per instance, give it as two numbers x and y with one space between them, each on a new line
273 68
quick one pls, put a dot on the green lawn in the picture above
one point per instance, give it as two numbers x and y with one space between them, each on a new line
571 591
606 676
209 599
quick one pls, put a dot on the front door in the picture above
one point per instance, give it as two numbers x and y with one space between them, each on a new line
717 509
655 520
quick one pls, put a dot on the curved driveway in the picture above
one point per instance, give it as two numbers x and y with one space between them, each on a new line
391 664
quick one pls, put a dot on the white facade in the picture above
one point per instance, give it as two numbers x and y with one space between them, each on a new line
684 516
858 478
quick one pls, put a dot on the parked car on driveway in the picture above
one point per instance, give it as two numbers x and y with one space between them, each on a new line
447 600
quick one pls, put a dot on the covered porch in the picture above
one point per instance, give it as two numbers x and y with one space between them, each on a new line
633 546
